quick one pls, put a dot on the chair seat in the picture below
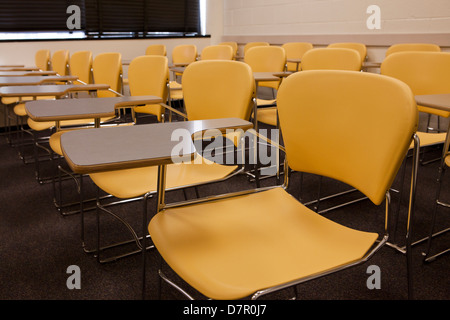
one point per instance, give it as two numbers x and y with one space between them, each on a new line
55 141
19 109
40 125
154 109
265 102
43 125
447 161
268 116
136 182
429 139
176 92
9 100
231 248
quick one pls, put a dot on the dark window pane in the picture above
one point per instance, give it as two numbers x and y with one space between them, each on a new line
103 17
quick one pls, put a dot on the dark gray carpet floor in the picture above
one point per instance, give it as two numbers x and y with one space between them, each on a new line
38 244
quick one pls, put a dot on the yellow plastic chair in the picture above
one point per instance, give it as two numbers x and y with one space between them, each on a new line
424 73
149 75
233 45
318 59
266 59
332 59
42 59
219 52
107 69
80 65
295 50
213 89
250 45
255 242
360 47
182 55
60 62
156 49
412 47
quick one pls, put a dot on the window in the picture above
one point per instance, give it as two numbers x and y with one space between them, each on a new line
101 18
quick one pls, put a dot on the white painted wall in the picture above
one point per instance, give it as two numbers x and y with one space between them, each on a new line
293 17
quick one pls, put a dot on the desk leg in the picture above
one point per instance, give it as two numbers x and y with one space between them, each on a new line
255 126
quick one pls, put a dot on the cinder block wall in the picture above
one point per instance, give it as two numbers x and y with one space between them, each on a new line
325 21
293 17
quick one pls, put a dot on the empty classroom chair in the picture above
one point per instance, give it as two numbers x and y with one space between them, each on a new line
219 52
149 75
249 244
412 47
295 51
156 49
233 45
360 47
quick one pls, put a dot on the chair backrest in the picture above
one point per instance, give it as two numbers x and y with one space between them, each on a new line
412 47
295 50
360 47
42 59
266 59
250 45
424 72
156 49
107 69
366 119
184 53
60 62
232 44
219 52
80 65
149 75
331 59
216 89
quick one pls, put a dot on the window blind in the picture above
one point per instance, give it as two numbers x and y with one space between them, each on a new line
35 15
103 18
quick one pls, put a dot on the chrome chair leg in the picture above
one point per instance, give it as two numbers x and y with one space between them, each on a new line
138 240
426 255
